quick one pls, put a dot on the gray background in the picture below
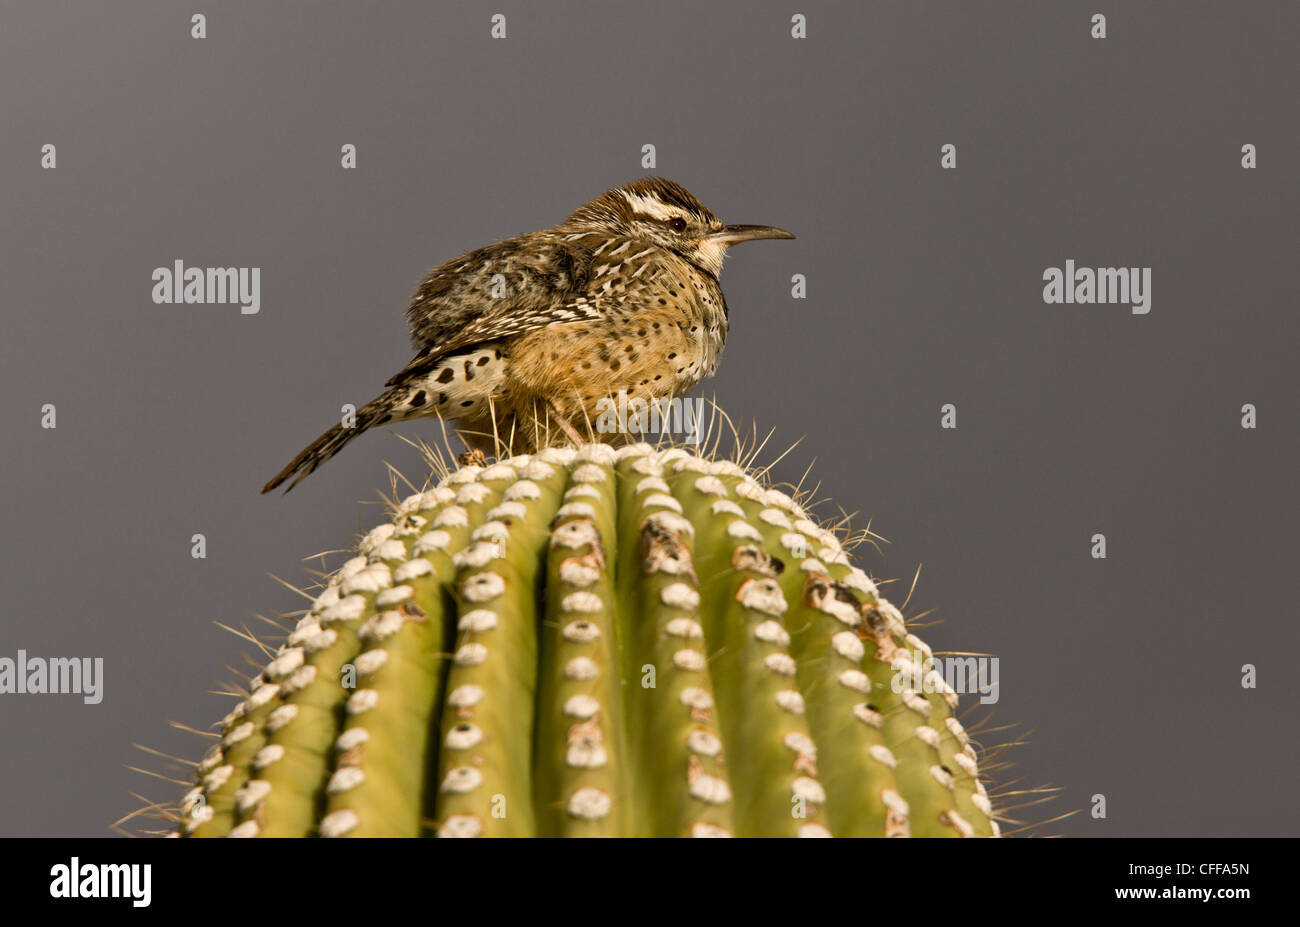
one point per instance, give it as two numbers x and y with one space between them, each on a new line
924 288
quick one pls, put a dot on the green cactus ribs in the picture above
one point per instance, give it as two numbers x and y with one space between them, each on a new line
596 642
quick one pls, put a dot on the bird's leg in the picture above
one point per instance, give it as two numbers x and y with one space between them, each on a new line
565 426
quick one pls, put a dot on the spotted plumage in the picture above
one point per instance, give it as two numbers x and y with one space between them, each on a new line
518 341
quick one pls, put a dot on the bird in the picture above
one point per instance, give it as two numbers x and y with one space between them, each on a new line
519 341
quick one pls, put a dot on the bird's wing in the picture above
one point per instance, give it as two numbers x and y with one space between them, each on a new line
464 303
535 273
492 328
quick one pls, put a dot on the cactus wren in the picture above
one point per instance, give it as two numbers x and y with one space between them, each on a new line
520 340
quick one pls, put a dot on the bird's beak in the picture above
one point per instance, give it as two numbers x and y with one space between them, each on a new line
732 234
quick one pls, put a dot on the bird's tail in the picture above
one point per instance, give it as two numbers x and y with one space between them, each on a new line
379 411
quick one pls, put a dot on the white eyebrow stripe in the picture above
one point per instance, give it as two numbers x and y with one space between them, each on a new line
652 207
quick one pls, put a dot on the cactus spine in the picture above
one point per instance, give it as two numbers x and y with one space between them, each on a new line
595 642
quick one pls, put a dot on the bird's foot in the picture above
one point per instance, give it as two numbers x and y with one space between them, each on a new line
566 426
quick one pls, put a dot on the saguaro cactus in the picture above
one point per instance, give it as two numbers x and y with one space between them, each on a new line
596 642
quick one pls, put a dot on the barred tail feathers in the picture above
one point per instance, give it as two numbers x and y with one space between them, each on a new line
379 411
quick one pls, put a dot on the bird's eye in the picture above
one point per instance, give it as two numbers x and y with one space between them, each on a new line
678 225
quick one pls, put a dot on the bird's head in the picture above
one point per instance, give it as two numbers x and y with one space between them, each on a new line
663 213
